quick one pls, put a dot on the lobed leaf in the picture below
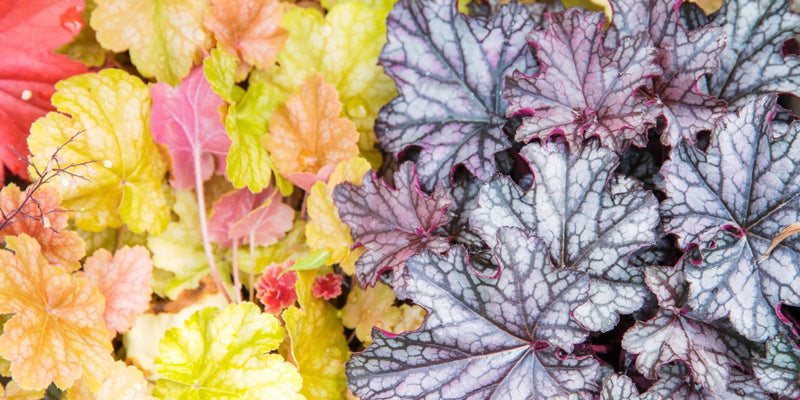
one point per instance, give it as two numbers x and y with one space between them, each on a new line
248 29
778 372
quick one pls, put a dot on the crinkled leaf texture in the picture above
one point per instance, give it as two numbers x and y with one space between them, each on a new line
45 221
186 119
618 387
734 199
675 384
225 355
685 58
753 61
164 39
375 307
449 69
124 282
29 32
484 338
779 371
580 91
58 333
591 222
671 335
248 29
391 223
242 215
122 180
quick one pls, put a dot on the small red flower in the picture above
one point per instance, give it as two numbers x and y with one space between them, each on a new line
277 293
328 286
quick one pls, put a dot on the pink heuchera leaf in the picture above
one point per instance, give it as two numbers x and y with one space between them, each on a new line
186 119
685 57
277 291
392 223
328 286
29 32
124 281
240 213
580 91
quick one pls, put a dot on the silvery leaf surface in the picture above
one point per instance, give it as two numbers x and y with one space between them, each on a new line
450 70
581 91
779 371
392 223
732 200
675 384
618 387
591 222
484 338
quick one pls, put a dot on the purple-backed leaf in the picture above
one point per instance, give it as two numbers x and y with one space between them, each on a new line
618 387
392 223
580 91
684 57
186 120
484 338
449 69
779 371
747 183
672 335
591 222
241 215
464 193
675 384
752 63
538 10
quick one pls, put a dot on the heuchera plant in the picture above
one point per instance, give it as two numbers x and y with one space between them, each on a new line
557 273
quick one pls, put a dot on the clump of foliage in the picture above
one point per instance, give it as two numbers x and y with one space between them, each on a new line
252 199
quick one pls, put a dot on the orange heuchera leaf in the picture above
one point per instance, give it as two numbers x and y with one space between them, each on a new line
307 138
43 220
124 282
58 334
249 29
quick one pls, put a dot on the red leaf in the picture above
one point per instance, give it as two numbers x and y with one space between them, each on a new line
29 32
328 286
277 292
242 212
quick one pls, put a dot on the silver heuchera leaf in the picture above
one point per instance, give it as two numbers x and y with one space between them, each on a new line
779 372
590 222
747 183
618 387
752 64
392 224
674 384
484 338
684 57
673 336
449 69
580 91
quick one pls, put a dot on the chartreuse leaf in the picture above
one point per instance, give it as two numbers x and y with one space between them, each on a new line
179 249
342 46
226 355
325 230
220 71
739 194
392 223
375 307
450 71
123 180
122 382
164 38
591 222
58 333
318 343
779 371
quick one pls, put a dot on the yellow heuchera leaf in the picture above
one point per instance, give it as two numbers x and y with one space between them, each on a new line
306 136
375 307
225 355
320 357
179 249
325 230
248 28
343 46
12 391
122 382
165 38
123 180
58 333
84 47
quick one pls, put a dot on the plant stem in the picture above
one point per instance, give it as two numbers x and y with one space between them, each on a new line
237 286
201 210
